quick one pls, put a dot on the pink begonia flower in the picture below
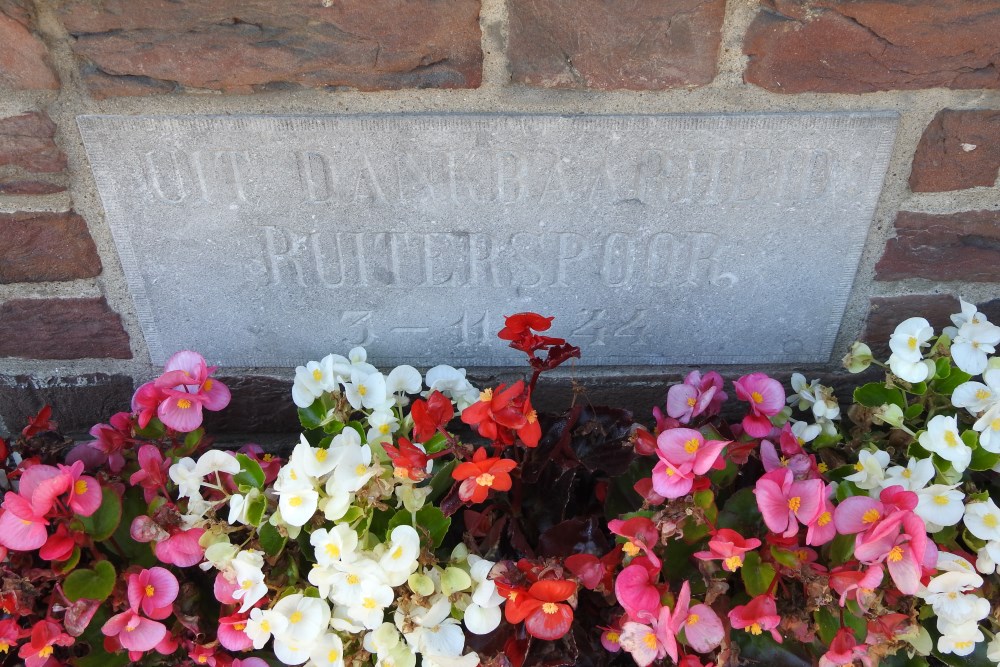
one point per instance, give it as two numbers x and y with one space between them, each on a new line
134 632
223 589
231 634
698 395
728 546
683 453
181 548
903 552
844 650
153 591
635 591
792 455
702 627
153 472
21 528
188 388
611 636
203 655
822 529
644 642
41 485
250 662
45 636
784 502
84 491
145 402
757 616
58 546
112 438
766 397
857 585
642 534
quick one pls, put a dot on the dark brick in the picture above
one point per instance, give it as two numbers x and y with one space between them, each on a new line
259 405
62 329
609 44
958 150
78 402
27 141
40 247
138 47
886 312
955 246
24 59
860 46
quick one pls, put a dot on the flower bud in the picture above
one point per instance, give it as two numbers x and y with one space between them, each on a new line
858 358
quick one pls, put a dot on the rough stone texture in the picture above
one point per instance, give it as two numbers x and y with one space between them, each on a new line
41 247
413 235
955 246
135 47
609 44
61 329
24 59
886 312
28 148
959 149
860 46
78 402
991 309
259 405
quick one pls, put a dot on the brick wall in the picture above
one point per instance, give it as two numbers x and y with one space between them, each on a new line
68 329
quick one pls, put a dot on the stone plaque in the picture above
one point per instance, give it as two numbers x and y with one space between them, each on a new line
699 239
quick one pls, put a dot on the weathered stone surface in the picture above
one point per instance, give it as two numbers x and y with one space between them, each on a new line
652 239
886 312
24 59
608 44
27 141
958 150
130 47
860 46
61 329
41 247
955 246
78 402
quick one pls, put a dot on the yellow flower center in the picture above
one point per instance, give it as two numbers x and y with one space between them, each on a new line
80 487
757 398
859 466
362 390
692 619
333 551
384 429
485 479
733 563
907 474
896 554
332 656
794 503
4 647
321 455
202 659
691 446
691 402
295 618
613 637
317 375
295 501
353 579
150 591
963 644
649 640
532 417
802 555
982 394
268 458
45 652
486 395
824 519
871 516
912 342
246 584
990 520
550 607
207 385
941 500
265 626
755 629
950 439
360 469
995 424
369 603
822 467
184 404
631 548
239 626
397 553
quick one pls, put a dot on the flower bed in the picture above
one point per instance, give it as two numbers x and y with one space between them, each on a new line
421 520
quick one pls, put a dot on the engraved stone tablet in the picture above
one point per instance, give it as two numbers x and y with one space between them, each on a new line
268 241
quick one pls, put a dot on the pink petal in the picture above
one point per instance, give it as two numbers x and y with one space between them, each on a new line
180 419
86 503
670 445
677 402
144 637
18 534
231 638
165 586
34 476
216 395
181 549
849 514
706 633
769 456
671 486
811 494
191 362
635 592
707 455
905 572
116 623
757 426
772 504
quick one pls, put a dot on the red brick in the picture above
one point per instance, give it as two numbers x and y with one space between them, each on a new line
28 141
130 47
886 312
860 46
40 247
609 44
62 329
958 150
955 246
24 59
26 187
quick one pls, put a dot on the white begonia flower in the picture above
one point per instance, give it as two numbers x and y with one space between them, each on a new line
977 397
336 502
291 652
368 608
434 633
968 313
993 649
312 461
805 432
940 505
323 578
949 562
482 616
452 383
803 392
196 509
974 338
183 475
297 506
400 558
916 474
870 469
248 573
239 504
352 580
328 651
959 638
982 519
404 380
988 557
262 624
911 371
943 439
307 619
909 337
335 545
354 469
312 380
220 556
383 424
367 391
341 622
215 460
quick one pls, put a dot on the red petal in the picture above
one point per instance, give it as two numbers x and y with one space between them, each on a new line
552 590
542 625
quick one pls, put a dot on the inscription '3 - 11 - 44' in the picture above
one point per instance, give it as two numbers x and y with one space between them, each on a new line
652 239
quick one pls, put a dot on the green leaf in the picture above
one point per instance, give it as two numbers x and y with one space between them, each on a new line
827 624
757 576
785 557
740 512
250 473
842 548
982 459
913 411
154 430
430 522
98 657
134 504
855 619
65 566
918 388
876 394
95 584
256 509
271 541
943 368
313 416
947 386
441 480
102 524
436 443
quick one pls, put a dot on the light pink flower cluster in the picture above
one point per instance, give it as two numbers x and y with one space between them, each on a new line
766 397
178 396
684 454
151 592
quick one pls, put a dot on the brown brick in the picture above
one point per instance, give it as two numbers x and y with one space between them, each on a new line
27 141
27 187
24 59
62 329
609 44
860 46
40 247
958 150
955 246
78 402
886 312
259 405
130 47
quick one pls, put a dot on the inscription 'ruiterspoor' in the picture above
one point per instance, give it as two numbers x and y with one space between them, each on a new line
268 241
